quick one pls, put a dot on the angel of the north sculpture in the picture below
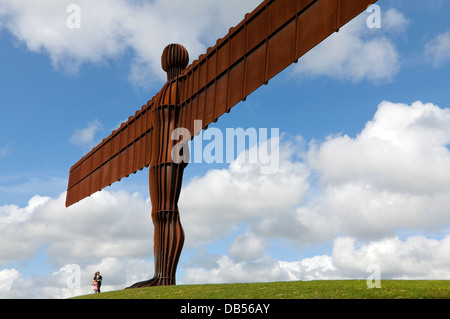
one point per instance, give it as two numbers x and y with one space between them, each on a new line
270 38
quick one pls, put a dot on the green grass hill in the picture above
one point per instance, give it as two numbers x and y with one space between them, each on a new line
319 289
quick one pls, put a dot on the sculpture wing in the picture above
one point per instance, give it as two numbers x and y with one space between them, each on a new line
269 39
122 153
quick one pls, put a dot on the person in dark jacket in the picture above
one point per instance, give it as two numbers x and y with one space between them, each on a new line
98 278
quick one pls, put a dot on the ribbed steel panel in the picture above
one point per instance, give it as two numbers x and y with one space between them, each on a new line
269 39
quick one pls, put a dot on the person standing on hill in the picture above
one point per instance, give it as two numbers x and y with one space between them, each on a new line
98 278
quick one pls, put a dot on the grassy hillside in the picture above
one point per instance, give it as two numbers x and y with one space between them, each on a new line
326 289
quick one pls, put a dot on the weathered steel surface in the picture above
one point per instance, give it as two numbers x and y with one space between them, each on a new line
270 38
104 164
275 35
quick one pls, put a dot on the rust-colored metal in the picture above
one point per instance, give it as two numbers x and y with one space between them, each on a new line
165 175
270 38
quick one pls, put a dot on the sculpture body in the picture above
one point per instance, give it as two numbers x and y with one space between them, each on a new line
270 38
165 176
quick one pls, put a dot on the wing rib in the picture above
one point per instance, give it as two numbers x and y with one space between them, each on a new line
276 34
125 151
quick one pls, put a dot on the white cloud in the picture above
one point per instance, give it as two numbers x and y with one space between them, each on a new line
416 257
355 192
86 136
242 194
438 49
394 21
404 148
117 273
104 225
110 231
228 270
7 277
394 174
111 29
357 53
247 247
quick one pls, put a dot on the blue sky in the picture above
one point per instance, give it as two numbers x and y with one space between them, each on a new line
364 122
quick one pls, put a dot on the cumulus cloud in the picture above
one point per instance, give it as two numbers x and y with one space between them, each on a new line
62 283
394 174
247 247
416 257
359 53
403 148
357 193
7 277
86 136
437 50
104 225
241 194
394 21
110 231
111 29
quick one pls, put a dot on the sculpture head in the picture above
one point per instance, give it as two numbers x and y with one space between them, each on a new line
174 60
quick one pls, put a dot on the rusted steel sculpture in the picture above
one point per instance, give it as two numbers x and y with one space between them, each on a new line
270 38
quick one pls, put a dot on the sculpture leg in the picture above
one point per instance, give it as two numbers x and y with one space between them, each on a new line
168 243
165 187
169 240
